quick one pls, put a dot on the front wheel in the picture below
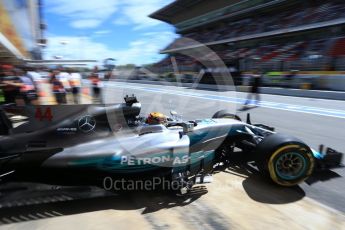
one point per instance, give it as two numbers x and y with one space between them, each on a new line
285 160
226 114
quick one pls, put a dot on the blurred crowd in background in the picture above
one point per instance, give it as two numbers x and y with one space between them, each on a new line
321 11
34 86
304 36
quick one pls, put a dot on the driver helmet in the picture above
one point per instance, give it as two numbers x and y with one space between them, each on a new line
156 118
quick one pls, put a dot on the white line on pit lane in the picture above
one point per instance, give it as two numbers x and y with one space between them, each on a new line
271 105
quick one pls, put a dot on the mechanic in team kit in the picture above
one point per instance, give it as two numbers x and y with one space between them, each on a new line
10 85
28 91
75 83
96 85
58 88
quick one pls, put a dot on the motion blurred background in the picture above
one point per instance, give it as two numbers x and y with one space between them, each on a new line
293 44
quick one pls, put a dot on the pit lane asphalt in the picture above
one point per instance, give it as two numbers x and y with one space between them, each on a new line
291 115
237 199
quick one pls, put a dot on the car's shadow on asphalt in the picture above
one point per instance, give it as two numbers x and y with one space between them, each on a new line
322 176
262 189
26 205
20 202
245 108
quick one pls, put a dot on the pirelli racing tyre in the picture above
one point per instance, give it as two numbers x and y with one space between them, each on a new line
226 114
286 160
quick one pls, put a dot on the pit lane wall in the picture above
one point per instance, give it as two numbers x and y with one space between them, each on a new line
325 80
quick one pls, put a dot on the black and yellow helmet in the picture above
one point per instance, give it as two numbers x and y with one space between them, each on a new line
156 118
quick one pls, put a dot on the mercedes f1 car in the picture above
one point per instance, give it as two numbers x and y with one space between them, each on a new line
72 143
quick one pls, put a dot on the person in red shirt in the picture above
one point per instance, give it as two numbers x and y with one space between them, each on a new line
58 88
96 85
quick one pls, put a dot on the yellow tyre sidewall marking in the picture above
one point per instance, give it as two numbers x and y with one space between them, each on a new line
230 117
273 174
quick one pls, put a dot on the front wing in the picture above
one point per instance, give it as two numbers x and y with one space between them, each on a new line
329 159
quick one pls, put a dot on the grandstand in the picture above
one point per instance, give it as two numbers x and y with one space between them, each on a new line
273 35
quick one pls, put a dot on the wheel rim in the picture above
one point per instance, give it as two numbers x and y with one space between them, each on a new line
290 165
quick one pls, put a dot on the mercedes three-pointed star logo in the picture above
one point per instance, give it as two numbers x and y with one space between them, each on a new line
87 124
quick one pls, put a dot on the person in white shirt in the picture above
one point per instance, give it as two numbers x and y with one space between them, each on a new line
36 77
64 78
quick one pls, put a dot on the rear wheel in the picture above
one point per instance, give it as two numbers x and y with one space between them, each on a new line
285 160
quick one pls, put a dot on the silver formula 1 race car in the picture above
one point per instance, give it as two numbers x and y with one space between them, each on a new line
84 143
